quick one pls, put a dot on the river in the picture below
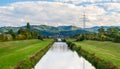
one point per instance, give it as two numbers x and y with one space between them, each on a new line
60 56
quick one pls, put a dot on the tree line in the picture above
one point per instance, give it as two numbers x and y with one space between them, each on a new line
110 34
22 34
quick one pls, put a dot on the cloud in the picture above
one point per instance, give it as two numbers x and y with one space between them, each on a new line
87 1
57 13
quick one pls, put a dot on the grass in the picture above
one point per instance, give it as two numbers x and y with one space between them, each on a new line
13 52
107 51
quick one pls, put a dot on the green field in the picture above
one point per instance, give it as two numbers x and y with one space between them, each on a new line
13 52
107 51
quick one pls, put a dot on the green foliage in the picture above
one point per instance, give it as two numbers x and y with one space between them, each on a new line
113 30
117 38
6 37
12 33
63 40
27 33
20 37
101 30
80 37
1 37
23 34
111 34
71 45
28 26
34 34
21 31
40 36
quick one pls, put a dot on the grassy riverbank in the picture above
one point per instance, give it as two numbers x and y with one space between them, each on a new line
13 52
108 51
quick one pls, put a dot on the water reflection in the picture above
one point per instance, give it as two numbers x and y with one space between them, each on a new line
59 47
60 57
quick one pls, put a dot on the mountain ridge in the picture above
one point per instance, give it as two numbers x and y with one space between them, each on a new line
52 31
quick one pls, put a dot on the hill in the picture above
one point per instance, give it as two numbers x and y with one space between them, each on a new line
95 28
53 31
48 30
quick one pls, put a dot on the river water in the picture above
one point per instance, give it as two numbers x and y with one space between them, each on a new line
61 57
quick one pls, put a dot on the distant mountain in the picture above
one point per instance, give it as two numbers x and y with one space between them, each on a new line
49 30
61 30
95 28
53 31
68 28
6 29
45 28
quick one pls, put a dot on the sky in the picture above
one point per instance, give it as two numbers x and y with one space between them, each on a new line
60 12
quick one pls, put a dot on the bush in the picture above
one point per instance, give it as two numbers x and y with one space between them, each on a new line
63 40
80 38
6 37
116 39
1 37
71 45
20 37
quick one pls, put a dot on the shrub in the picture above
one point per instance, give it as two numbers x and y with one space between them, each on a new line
80 38
63 40
116 39
20 37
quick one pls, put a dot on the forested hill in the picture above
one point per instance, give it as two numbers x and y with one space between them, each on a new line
52 31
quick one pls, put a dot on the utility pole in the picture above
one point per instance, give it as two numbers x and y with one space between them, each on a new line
84 17
83 63
84 21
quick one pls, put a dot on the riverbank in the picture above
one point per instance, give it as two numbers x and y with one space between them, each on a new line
13 52
106 50
97 61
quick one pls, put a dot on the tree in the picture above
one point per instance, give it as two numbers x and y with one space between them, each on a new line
20 37
34 34
12 33
117 38
21 31
1 37
28 25
40 36
101 30
27 33
80 37
113 31
103 37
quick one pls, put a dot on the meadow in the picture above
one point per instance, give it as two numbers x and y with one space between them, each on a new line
12 52
105 50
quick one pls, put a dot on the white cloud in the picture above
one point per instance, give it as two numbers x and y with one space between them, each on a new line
92 1
56 13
